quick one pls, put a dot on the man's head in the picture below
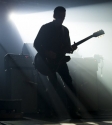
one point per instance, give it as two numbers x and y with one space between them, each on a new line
59 14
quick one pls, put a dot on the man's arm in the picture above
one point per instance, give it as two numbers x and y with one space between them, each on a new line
70 48
40 40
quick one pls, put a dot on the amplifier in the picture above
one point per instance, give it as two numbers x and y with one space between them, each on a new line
84 75
85 63
19 70
18 61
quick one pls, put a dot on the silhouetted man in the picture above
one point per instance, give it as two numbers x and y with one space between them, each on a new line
49 41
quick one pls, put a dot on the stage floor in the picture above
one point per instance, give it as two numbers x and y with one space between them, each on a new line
32 120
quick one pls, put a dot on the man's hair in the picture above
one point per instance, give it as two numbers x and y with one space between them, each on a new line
57 10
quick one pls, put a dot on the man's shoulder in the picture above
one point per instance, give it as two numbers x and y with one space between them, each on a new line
47 25
65 28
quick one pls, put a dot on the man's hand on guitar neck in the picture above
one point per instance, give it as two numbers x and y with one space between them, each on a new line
74 47
50 54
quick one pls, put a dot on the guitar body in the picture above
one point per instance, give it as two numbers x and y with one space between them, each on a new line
40 65
48 66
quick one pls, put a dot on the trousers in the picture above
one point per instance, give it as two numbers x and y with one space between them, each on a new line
63 71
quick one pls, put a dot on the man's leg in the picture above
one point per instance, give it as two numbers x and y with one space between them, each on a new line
57 86
60 101
64 73
53 79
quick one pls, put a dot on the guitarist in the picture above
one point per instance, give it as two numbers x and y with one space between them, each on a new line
50 40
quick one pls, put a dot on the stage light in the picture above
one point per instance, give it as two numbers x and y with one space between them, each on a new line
12 16
28 25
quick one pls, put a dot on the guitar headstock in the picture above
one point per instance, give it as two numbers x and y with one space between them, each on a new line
98 33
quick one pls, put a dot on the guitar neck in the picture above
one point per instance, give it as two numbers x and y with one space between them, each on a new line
83 40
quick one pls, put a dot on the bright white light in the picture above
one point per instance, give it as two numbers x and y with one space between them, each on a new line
28 25
107 122
79 21
92 123
67 124
12 16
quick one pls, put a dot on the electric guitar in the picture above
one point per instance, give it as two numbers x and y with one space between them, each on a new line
47 66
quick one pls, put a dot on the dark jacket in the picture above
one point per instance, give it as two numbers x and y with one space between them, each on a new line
52 38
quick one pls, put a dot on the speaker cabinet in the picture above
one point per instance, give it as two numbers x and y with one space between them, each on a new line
20 75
